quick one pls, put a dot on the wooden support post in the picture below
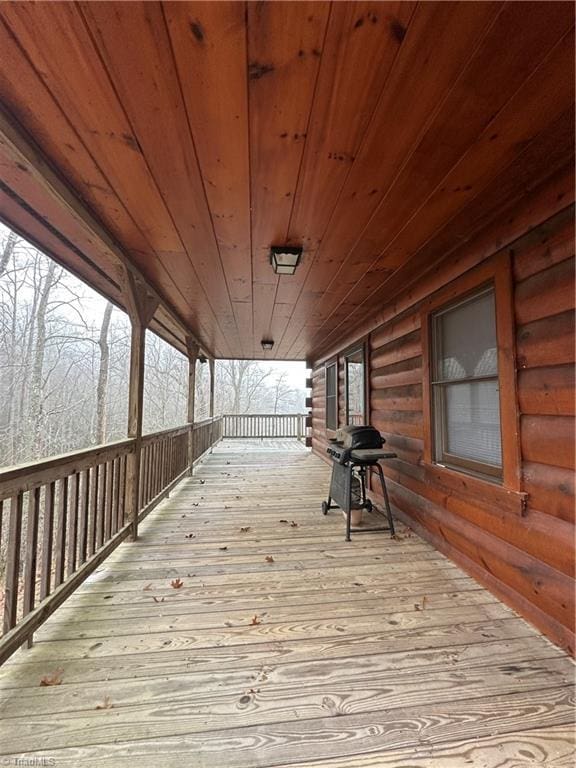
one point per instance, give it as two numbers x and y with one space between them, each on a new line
193 350
211 364
141 310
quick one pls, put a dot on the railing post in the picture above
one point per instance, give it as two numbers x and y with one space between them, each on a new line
192 349
141 307
212 367
135 407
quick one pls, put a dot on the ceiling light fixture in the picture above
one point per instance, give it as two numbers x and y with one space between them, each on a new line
267 343
285 259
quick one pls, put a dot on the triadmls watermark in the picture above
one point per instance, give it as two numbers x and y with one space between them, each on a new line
36 762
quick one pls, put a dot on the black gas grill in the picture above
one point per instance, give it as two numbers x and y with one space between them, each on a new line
354 450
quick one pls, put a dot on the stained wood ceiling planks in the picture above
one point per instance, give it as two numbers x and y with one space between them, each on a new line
200 134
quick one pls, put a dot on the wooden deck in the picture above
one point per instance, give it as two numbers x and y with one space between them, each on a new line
283 646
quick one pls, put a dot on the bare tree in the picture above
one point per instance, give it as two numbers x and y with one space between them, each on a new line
241 384
281 391
102 388
36 409
7 251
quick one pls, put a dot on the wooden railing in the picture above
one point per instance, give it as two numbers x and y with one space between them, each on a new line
264 425
206 434
61 517
163 461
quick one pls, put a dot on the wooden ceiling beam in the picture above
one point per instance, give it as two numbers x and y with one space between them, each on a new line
24 152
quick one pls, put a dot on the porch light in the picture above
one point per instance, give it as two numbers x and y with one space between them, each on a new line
267 343
285 259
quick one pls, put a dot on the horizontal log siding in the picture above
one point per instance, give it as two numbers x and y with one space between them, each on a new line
527 560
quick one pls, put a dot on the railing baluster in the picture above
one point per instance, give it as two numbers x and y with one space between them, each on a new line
116 506
84 482
108 504
13 562
153 468
141 483
73 493
29 595
101 505
62 507
122 498
93 524
47 540
148 474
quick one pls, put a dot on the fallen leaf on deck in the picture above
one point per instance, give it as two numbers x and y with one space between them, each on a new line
255 620
245 529
293 524
106 704
223 549
228 624
269 559
176 583
189 535
147 588
202 482
283 521
158 599
54 679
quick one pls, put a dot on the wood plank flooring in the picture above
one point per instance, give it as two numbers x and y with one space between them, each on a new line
242 631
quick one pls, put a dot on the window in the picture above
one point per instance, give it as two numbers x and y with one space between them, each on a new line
469 398
465 387
332 396
355 387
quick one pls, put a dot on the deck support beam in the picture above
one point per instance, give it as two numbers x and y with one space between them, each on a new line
141 308
211 411
193 350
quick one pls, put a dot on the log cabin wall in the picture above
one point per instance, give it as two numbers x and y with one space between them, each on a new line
524 551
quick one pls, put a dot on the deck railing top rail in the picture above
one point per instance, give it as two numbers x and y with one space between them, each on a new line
24 477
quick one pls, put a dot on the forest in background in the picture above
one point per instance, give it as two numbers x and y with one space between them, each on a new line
64 356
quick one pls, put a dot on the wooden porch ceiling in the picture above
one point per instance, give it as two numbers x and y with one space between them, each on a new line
376 135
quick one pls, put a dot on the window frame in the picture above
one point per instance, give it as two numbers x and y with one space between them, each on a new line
438 386
497 273
329 364
359 347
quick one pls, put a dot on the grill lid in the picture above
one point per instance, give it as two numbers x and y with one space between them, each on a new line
359 437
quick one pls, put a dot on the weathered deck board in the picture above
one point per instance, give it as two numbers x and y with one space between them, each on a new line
377 652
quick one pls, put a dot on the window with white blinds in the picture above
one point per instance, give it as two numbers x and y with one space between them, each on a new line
465 387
